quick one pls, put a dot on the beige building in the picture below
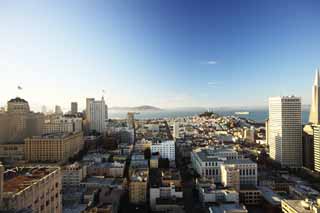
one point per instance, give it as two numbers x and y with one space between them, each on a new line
285 130
230 176
138 186
53 147
36 189
19 122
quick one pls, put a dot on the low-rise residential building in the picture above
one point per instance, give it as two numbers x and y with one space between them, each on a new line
138 186
72 175
165 185
107 169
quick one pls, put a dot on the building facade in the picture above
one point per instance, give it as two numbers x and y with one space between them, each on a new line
65 124
166 149
74 108
32 189
19 122
72 175
316 136
97 114
285 131
53 147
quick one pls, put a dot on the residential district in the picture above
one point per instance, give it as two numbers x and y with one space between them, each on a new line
85 162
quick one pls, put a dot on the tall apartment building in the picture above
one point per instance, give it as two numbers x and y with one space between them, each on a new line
285 130
166 149
58 147
314 116
34 189
65 124
74 108
96 114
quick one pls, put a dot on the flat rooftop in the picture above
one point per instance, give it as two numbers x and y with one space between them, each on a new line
57 135
240 161
228 208
14 183
298 205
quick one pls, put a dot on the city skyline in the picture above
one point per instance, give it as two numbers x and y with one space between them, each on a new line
165 54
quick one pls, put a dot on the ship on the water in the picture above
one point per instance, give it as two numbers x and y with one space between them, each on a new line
242 113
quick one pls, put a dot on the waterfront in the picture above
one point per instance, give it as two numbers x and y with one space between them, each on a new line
256 115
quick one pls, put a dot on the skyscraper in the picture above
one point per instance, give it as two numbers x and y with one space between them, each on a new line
285 130
74 108
316 144
96 114
58 110
314 116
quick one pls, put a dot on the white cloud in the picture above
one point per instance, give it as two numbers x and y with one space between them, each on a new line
212 62
213 84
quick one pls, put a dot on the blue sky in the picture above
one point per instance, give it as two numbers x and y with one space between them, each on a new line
161 52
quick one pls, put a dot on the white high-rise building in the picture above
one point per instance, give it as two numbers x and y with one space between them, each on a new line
314 116
176 130
97 114
166 149
285 130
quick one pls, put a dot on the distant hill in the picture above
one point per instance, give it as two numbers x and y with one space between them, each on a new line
137 108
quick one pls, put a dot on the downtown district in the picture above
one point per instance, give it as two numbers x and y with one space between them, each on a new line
85 162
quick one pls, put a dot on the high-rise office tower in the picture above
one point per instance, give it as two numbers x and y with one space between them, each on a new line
285 130
74 108
96 114
314 116
316 147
